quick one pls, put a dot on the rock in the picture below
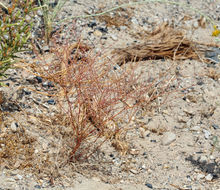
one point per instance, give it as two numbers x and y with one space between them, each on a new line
195 128
92 24
212 157
39 79
51 102
134 151
200 176
50 84
203 159
19 177
44 84
96 179
206 133
114 37
14 126
102 30
149 185
215 126
133 171
168 138
196 24
37 187
213 54
97 33
209 177
46 48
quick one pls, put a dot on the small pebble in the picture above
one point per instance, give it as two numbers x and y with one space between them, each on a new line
37 186
51 102
14 126
44 84
206 133
114 37
196 24
209 177
50 84
195 128
19 177
102 30
215 126
97 33
149 185
39 79
200 176
133 171
168 138
92 24
203 159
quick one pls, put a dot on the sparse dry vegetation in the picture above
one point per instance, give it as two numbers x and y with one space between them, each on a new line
96 95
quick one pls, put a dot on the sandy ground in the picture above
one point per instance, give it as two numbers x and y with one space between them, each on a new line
171 147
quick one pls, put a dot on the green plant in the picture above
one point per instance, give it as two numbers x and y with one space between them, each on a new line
49 15
15 30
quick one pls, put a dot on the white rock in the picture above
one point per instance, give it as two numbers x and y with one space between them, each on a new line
200 176
168 138
212 157
209 177
196 24
19 177
203 159
96 179
114 37
195 128
14 126
206 133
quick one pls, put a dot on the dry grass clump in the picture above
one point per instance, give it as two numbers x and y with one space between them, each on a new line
164 42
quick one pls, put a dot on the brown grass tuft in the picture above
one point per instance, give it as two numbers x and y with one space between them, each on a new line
164 42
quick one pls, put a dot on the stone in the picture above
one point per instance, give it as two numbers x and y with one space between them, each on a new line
168 138
215 126
203 159
51 102
134 151
39 79
195 128
97 33
209 177
133 171
196 24
14 126
114 37
149 185
200 176
19 177
206 133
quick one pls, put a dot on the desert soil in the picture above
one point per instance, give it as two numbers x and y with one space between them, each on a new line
171 147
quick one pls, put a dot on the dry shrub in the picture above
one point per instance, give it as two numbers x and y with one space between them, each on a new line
96 99
164 42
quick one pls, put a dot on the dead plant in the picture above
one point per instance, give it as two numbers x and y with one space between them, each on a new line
96 99
164 42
